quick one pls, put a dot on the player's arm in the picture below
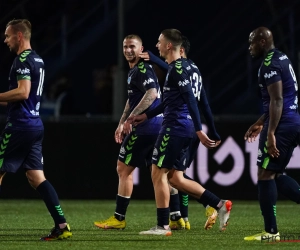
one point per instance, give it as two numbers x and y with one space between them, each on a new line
206 111
275 112
18 94
149 56
145 102
255 129
119 131
191 102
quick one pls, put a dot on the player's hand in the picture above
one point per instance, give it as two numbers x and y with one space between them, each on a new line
145 56
127 127
119 136
253 132
271 146
135 120
208 143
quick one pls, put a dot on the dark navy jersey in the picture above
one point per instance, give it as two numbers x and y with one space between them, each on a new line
177 119
140 79
275 67
195 78
25 114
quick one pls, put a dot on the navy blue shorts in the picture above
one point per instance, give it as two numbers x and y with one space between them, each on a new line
19 148
287 138
169 152
136 150
188 155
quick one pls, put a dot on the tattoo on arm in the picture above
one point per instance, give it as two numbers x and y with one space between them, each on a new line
125 113
145 102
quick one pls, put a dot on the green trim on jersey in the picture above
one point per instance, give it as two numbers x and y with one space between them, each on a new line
178 66
141 67
268 59
24 55
22 77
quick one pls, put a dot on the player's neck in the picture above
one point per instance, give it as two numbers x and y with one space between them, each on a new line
172 57
23 46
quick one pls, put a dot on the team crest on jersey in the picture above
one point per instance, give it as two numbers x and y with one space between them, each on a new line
129 80
155 152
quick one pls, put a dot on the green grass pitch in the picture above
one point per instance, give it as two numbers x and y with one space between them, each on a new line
22 222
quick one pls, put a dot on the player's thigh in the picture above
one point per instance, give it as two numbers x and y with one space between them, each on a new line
136 150
168 150
286 141
34 159
14 148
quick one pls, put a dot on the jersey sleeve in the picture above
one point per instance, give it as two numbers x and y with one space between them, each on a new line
181 77
272 72
22 70
148 78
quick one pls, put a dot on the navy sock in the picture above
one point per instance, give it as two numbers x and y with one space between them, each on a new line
50 198
174 207
210 199
162 216
267 196
122 204
288 187
184 204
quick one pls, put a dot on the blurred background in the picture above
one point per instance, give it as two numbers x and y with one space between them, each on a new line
85 81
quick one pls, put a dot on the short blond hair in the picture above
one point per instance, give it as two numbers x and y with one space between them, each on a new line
21 25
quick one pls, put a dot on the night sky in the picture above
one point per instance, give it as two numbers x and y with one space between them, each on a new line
218 32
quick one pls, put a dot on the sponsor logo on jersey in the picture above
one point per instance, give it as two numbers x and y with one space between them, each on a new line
184 83
293 107
166 89
23 71
271 74
283 57
148 81
39 60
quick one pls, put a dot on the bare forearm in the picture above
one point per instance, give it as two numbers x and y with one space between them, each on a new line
145 102
125 113
275 111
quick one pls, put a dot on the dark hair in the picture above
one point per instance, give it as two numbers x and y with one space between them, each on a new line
134 36
21 25
173 35
186 44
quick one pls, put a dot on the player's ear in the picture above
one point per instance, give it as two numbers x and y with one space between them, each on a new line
142 48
